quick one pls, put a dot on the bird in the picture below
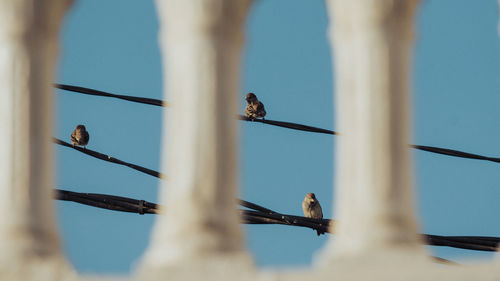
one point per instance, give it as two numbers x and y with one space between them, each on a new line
312 208
80 136
255 108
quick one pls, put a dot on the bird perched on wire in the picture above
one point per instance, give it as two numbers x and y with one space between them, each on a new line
254 109
312 208
80 136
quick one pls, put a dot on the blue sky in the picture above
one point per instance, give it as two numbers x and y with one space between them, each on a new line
112 46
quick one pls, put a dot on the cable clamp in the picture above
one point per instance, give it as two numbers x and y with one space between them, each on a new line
141 207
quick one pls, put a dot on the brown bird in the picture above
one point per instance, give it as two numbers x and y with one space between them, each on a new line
80 136
312 208
255 108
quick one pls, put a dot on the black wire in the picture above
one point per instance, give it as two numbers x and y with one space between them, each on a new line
289 125
444 261
108 158
154 173
472 243
106 202
256 207
260 215
455 153
124 204
93 92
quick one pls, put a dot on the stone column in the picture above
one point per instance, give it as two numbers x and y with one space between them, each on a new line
201 42
29 31
374 199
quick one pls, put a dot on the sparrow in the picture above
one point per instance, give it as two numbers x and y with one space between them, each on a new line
255 108
312 208
80 136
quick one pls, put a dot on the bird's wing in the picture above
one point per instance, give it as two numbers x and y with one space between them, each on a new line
249 110
261 109
260 106
306 208
73 136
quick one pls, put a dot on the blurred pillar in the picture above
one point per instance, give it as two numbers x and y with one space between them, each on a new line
201 42
498 25
372 44
29 240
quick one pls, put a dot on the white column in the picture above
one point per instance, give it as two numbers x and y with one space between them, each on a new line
201 42
29 239
498 25
374 198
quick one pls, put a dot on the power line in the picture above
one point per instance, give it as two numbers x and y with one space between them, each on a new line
444 261
289 125
157 102
109 202
256 216
259 214
108 158
142 169
92 92
455 153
